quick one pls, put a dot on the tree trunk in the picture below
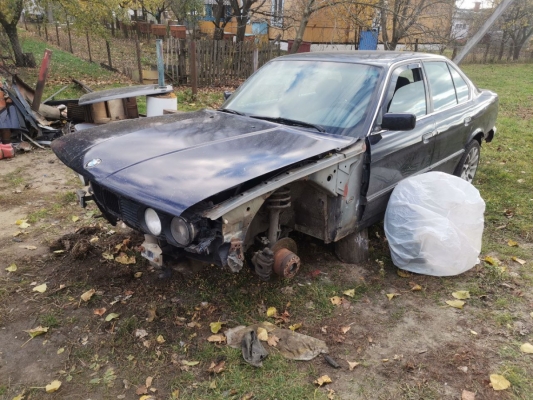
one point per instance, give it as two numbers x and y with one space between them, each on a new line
303 24
516 51
12 34
502 47
241 27
218 34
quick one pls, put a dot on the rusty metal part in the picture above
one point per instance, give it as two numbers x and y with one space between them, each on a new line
286 263
286 243
276 203
263 262
43 72
235 257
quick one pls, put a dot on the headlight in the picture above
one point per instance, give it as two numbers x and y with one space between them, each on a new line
83 180
182 231
152 221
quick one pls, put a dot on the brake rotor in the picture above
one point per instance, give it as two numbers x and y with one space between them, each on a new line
286 262
286 243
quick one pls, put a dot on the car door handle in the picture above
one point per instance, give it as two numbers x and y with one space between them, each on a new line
427 136
467 120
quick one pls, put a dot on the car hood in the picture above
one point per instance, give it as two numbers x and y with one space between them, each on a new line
175 161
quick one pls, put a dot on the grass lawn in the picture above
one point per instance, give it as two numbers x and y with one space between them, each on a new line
410 347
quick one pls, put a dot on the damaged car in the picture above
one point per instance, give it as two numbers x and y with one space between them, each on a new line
311 143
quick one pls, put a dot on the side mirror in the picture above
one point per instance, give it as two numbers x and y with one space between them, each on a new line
398 122
227 95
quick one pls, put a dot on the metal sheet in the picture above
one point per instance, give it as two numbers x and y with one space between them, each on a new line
122 93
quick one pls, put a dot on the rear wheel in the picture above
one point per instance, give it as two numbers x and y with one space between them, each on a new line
467 167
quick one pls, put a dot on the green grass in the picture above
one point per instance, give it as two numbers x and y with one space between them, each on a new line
37 216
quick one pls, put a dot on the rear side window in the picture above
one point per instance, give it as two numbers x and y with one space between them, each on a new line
441 85
460 85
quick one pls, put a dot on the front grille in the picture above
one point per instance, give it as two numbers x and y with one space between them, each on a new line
130 211
107 199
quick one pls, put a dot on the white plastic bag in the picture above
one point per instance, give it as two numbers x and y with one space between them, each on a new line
434 224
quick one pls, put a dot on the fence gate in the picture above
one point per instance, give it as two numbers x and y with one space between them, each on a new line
368 40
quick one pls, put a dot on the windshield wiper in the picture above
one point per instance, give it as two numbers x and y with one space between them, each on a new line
227 110
288 121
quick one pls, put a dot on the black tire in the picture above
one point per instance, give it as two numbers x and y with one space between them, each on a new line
467 167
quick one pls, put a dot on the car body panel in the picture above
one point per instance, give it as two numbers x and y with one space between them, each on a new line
123 93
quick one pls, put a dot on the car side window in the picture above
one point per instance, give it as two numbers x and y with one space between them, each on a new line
409 93
440 84
461 88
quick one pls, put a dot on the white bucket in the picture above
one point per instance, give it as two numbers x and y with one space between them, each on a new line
155 105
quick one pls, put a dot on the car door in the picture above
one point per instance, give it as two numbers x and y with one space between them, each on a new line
395 155
450 99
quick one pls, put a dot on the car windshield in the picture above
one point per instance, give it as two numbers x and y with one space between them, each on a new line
330 96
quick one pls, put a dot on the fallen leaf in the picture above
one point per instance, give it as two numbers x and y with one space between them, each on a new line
140 333
491 260
273 341
12 268
53 386
262 334
29 247
391 296
415 287
512 243
147 397
216 338
216 326
147 344
61 350
324 379
455 303
22 223
137 274
59 251
518 260
336 300
403 274
111 316
499 382
190 363
271 311
19 397
295 326
152 314
467 395
345 329
124 259
527 348
473 332
149 381
352 365
331 394
350 292
160 339
141 390
40 288
37 331
87 295
217 368
175 394
75 218
108 256
94 239
461 294
100 311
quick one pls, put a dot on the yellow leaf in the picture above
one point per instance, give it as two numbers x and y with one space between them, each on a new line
37 331
271 311
336 300
491 260
295 326
19 397
323 380
52 387
345 329
147 397
12 268
111 316
108 256
518 260
22 223
392 296
59 251
216 338
512 243
473 332
498 382
455 303
403 274
216 326
350 293
87 295
416 287
137 274
160 339
61 350
461 294
40 288
262 334
75 218
94 239
29 247
124 259
175 394
352 365
527 348
149 381
190 363
273 341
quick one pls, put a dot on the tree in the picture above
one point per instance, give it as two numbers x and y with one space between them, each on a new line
156 8
242 10
10 12
517 25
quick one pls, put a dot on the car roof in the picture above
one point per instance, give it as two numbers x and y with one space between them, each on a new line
373 57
